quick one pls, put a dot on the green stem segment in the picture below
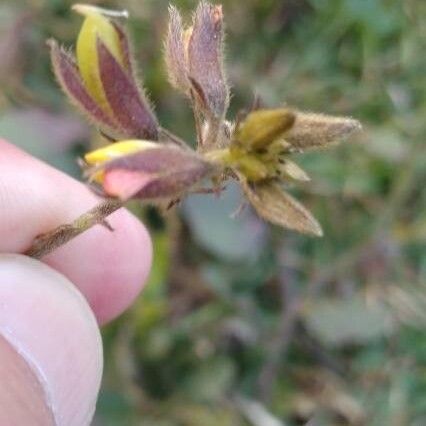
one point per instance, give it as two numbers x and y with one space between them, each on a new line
50 241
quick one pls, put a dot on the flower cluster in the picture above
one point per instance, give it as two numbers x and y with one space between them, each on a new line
147 162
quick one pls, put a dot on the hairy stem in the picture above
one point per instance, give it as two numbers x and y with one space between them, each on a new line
50 241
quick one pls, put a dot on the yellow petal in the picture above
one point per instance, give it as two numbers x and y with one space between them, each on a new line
116 150
95 25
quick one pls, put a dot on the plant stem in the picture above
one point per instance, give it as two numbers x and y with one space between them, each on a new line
50 241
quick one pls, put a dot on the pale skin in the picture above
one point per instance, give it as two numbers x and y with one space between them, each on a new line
50 311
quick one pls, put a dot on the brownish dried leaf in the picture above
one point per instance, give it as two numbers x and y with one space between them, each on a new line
312 131
273 204
129 105
175 54
205 57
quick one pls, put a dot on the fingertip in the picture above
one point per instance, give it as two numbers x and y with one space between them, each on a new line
109 267
53 333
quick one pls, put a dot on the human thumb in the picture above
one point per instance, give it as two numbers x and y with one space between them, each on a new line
50 347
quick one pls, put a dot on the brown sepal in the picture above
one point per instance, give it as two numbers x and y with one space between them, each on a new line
205 57
312 131
175 54
125 48
275 205
68 77
128 104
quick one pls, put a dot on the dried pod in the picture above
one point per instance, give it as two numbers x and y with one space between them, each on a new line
278 207
153 171
312 131
205 60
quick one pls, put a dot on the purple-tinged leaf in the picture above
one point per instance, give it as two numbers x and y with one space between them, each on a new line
72 84
154 173
175 52
205 57
129 105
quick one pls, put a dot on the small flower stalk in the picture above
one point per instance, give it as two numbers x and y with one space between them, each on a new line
144 161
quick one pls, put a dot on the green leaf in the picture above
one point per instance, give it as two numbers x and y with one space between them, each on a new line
215 230
340 322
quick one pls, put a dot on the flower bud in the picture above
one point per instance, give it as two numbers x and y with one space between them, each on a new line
146 170
194 58
102 83
262 127
205 60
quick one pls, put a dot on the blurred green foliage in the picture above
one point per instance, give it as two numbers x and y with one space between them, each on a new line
240 323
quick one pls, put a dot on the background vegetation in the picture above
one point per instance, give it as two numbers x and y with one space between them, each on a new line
241 323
